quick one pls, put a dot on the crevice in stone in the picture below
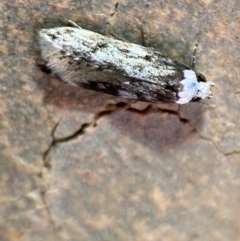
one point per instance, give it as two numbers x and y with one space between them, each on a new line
43 175
52 144
47 166
43 192
213 142
80 131
232 153
227 153
151 109
55 142
118 106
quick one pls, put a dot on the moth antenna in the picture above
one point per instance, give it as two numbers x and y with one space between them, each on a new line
145 41
108 23
73 24
115 36
194 52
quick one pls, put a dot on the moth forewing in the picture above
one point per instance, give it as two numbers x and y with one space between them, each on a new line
93 61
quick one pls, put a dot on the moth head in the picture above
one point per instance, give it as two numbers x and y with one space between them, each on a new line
204 91
194 87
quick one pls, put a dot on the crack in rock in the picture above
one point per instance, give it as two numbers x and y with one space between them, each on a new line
118 106
45 174
232 153
55 142
217 148
213 142
46 153
43 192
80 131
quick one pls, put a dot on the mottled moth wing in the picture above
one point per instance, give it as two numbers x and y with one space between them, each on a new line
100 63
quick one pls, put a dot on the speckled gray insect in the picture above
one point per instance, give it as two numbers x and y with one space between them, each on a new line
93 61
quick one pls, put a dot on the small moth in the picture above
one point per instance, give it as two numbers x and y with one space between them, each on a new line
93 61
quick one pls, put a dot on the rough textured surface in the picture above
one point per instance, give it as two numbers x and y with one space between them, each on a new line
78 165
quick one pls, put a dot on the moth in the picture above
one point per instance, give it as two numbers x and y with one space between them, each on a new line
93 61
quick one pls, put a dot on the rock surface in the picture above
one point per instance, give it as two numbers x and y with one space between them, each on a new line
79 165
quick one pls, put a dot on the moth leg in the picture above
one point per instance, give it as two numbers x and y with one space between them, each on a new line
73 24
194 52
115 36
145 41
207 103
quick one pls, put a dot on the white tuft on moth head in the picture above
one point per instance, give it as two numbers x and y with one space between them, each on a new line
204 90
191 88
